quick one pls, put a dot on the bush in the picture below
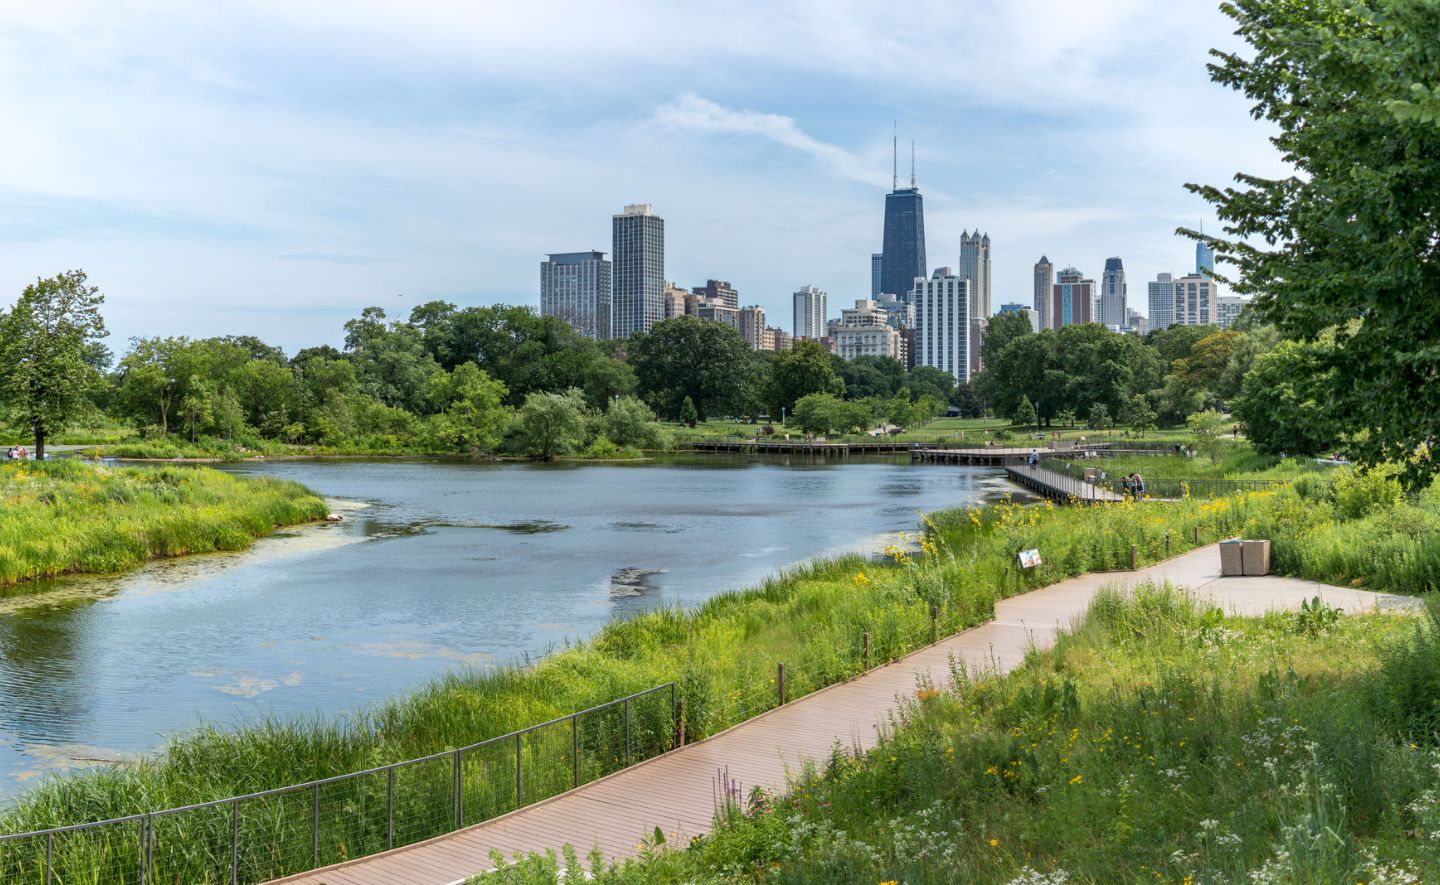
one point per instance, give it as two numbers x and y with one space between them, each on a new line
1406 693
1361 493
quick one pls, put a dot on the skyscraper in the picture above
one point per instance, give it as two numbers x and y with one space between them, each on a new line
575 286
1044 280
877 261
942 323
1204 259
1112 294
1162 301
903 254
1072 299
639 250
975 267
809 312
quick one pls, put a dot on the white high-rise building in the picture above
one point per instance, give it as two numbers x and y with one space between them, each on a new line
809 312
639 253
942 322
1162 301
1044 280
864 330
1227 308
975 268
1112 295
575 286
1194 301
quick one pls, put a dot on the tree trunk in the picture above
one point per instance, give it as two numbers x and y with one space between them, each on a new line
39 444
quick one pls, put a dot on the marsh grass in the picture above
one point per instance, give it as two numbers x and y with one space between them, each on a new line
1162 742
722 655
65 516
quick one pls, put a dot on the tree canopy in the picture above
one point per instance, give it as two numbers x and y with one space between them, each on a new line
1346 245
46 340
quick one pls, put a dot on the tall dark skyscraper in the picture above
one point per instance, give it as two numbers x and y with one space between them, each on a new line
903 253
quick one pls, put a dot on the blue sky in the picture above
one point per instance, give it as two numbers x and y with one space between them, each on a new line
272 167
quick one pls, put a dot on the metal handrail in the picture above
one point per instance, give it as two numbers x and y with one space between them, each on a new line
146 829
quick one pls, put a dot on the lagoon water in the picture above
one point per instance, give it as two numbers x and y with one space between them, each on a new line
437 565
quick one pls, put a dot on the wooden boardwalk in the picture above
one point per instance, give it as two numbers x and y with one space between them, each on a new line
676 792
1058 486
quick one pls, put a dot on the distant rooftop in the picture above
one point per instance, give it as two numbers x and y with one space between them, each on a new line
575 257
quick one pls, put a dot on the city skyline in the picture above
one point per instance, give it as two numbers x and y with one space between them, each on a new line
254 170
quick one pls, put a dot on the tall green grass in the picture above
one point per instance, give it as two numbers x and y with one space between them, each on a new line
723 655
1161 743
66 516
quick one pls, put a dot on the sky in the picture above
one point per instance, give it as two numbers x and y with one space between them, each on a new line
272 167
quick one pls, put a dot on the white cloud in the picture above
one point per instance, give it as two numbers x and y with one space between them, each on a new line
193 152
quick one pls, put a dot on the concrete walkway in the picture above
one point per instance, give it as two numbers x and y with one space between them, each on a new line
676 792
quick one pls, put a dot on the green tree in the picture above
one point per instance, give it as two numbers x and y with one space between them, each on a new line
391 363
152 379
1347 242
1138 415
1066 417
552 423
1208 426
1283 401
198 405
799 372
1099 417
923 381
708 363
826 413
1024 414
473 418
44 342
689 415
869 375
999 332
629 422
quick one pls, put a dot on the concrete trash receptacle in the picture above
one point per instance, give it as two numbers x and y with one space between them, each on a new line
1232 563
1256 557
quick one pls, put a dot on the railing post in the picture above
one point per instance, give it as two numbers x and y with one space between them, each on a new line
1197 536
518 782
1167 545
235 842
315 826
459 791
49 857
780 681
627 732
934 623
144 822
575 750
1134 556
865 650
390 808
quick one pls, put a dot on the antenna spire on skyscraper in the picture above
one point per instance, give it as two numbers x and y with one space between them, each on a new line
894 157
912 164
